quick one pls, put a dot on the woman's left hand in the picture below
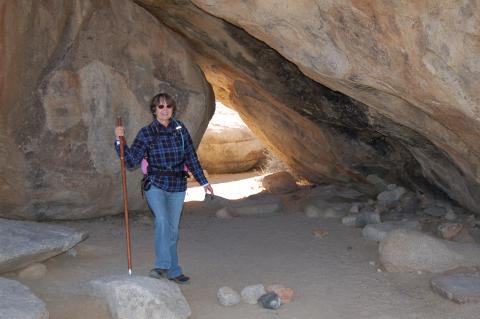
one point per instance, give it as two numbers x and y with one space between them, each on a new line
208 189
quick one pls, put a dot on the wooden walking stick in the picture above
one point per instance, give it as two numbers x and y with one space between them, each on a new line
125 198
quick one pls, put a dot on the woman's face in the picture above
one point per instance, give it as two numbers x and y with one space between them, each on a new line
164 111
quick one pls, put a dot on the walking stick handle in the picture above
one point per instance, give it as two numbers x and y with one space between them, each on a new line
120 123
125 198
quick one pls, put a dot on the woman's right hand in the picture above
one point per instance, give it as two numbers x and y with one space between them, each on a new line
119 131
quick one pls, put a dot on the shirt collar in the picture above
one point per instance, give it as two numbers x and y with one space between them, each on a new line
157 125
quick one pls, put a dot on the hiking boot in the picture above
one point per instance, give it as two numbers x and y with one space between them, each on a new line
180 279
158 273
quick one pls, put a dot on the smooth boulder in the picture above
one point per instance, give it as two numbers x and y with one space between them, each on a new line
141 297
24 243
408 250
18 302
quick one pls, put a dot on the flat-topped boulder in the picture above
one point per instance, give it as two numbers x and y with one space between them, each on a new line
458 287
18 302
140 297
228 145
24 242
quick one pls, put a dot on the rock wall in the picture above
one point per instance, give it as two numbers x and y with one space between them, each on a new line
68 69
345 88
338 89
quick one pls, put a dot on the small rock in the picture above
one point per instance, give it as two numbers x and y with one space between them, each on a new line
378 232
270 300
285 294
320 232
250 294
449 230
391 195
33 271
72 252
312 211
355 208
228 297
333 213
349 220
451 216
464 236
391 187
471 220
367 217
223 213
409 203
279 183
258 204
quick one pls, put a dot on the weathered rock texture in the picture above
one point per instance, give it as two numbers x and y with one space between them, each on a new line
228 145
24 243
17 301
337 89
68 68
141 297
406 250
340 89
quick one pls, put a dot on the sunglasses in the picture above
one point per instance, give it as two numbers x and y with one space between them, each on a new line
162 106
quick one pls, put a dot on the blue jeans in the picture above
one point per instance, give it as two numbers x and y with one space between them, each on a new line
167 208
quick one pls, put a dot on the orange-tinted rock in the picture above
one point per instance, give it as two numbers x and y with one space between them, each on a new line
279 183
285 294
449 230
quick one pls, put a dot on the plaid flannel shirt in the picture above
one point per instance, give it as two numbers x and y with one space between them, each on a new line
163 147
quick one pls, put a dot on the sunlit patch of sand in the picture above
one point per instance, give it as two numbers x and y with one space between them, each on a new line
230 186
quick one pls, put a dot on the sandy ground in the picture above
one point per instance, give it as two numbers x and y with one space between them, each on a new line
333 277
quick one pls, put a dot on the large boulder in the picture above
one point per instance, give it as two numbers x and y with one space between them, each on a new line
406 250
24 243
18 302
72 67
228 145
341 90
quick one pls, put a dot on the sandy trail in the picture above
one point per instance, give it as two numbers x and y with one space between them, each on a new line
332 276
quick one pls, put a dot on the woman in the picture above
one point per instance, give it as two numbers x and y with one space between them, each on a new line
168 147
